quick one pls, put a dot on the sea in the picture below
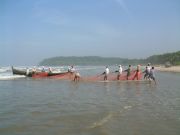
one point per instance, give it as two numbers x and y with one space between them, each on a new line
62 107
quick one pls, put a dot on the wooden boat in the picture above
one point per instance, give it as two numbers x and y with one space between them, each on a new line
38 74
18 71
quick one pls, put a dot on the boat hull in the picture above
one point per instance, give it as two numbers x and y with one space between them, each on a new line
37 74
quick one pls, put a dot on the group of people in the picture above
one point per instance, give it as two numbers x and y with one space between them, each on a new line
107 71
119 72
149 73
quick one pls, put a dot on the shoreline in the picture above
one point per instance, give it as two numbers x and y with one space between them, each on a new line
168 69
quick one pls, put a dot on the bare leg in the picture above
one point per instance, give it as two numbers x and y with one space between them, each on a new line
154 80
74 79
105 77
78 78
118 77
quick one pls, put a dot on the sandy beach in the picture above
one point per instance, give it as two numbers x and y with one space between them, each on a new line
169 69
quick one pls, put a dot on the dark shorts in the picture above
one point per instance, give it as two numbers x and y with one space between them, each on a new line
152 77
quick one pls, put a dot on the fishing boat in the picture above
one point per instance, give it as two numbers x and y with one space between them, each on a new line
37 74
18 71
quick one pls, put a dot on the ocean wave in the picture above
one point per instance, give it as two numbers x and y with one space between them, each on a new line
4 69
11 77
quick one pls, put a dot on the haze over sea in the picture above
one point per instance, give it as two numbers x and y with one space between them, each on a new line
60 107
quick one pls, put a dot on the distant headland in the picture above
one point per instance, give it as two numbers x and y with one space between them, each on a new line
167 58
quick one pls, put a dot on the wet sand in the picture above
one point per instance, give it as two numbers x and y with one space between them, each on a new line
169 69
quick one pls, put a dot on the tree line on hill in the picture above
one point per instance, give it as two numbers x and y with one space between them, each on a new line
172 58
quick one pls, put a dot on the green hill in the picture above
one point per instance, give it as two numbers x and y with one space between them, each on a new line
87 60
173 58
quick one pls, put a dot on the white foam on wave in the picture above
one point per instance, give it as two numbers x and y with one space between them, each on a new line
4 69
89 67
6 73
11 77
102 121
110 116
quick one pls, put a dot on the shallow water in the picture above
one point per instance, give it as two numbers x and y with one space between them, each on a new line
46 106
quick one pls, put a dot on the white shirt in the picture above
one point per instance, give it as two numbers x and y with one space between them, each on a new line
72 69
107 71
148 69
120 70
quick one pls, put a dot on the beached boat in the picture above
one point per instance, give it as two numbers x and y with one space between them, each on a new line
37 74
18 71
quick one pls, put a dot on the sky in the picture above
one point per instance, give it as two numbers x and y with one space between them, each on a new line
31 30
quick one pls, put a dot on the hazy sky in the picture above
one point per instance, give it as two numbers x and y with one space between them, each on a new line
31 30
